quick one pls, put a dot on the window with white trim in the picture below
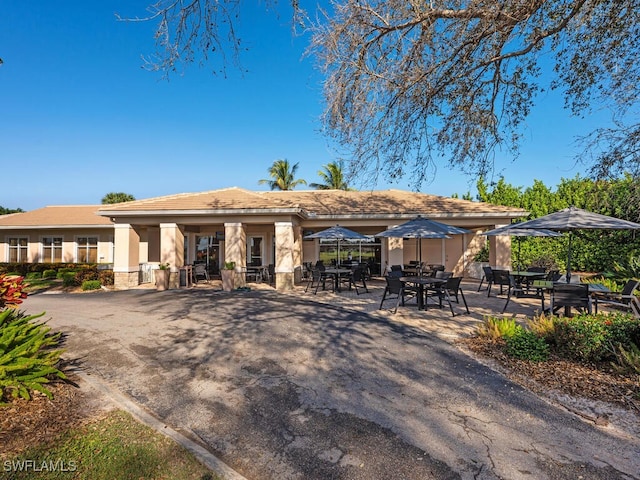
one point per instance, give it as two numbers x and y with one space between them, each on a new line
18 249
87 249
52 249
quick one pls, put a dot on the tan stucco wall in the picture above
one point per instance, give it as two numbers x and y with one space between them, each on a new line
395 251
104 236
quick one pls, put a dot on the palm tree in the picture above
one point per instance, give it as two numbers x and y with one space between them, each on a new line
332 176
282 176
117 197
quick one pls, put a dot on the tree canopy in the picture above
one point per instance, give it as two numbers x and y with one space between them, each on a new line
409 84
596 250
333 177
117 197
282 176
4 210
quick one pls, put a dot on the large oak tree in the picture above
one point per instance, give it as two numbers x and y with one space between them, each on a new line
410 82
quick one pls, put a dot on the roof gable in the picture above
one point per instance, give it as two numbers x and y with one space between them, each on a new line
61 215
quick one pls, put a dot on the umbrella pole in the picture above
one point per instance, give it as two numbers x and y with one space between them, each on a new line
569 258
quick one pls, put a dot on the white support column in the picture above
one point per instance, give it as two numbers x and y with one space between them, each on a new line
235 250
172 250
191 248
500 251
297 253
284 265
126 261
395 251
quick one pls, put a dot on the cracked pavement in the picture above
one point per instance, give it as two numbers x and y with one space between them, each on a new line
287 387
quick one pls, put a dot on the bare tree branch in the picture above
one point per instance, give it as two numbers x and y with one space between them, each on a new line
411 82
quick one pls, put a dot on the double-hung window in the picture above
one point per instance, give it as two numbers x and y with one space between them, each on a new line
52 249
87 249
18 248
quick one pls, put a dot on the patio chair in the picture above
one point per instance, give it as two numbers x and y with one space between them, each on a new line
626 299
570 295
450 289
553 275
271 273
433 269
318 277
306 271
504 279
366 271
396 287
200 272
396 268
357 276
443 274
526 282
488 277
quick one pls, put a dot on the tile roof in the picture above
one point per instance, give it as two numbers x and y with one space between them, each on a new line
308 203
62 215
223 199
316 203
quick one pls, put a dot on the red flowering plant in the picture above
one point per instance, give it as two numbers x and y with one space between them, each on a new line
11 291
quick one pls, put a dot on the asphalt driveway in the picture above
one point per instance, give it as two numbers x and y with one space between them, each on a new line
284 387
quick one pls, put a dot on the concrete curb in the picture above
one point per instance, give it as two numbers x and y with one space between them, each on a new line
204 456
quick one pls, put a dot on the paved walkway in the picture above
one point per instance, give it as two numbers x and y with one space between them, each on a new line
303 386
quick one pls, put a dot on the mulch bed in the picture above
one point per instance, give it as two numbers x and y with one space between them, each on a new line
29 423
596 382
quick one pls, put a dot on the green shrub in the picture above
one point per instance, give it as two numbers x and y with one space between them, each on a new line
49 274
581 338
622 329
69 279
91 285
86 274
483 254
33 276
495 328
543 326
28 358
62 271
526 345
628 268
106 277
628 358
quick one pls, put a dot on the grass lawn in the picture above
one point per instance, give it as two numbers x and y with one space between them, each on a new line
114 446
41 284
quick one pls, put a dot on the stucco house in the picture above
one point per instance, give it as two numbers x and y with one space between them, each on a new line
248 228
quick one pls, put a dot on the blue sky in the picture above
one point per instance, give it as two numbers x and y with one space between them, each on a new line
81 118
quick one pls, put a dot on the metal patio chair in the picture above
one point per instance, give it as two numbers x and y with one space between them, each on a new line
626 299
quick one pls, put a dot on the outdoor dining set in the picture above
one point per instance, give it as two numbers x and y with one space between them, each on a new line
535 282
431 281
